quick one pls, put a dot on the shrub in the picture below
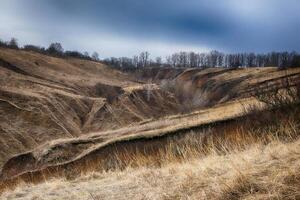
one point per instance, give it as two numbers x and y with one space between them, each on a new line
286 94
34 48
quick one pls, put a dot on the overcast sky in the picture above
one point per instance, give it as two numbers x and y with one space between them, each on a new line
126 27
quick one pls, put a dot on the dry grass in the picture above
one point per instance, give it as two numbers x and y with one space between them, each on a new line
171 157
260 172
68 151
238 159
262 127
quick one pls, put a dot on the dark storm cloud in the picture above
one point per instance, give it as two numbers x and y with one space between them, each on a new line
130 25
145 17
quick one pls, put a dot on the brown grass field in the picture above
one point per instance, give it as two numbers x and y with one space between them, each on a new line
238 159
74 129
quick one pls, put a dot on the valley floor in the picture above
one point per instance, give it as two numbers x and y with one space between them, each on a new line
260 172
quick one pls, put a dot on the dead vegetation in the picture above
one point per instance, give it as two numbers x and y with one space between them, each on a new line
260 128
109 137
253 157
58 154
66 98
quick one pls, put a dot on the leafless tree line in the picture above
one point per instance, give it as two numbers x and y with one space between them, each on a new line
211 59
177 60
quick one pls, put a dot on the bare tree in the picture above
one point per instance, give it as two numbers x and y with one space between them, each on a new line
203 60
193 59
251 60
86 54
183 59
13 43
55 49
261 60
144 58
220 59
213 58
95 56
175 59
135 61
158 61
284 60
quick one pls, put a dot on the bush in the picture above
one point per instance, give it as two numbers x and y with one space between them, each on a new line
286 94
3 44
12 44
34 48
55 49
76 54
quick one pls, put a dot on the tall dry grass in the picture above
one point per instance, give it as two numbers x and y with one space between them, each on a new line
271 175
221 138
260 171
260 127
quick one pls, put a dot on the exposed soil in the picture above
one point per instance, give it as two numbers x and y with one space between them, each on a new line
56 111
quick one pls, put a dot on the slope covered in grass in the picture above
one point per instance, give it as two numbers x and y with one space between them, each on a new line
165 135
44 98
260 172
252 157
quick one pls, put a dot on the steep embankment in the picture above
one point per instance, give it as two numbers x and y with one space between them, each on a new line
60 154
50 106
202 88
252 157
44 98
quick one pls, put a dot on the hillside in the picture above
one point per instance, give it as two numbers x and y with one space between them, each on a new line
258 173
51 98
60 117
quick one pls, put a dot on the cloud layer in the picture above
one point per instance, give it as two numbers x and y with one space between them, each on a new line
125 27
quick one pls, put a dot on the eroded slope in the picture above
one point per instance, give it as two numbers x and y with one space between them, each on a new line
44 98
56 111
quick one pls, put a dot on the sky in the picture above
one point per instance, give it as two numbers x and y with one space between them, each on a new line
126 27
